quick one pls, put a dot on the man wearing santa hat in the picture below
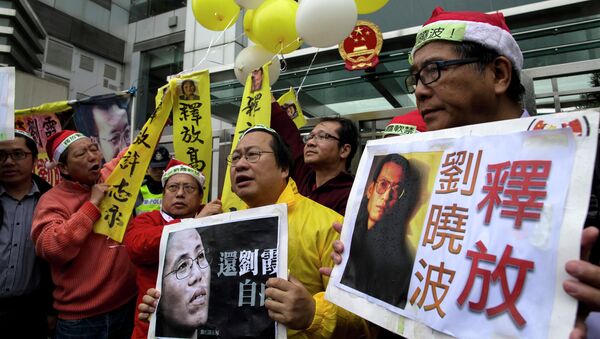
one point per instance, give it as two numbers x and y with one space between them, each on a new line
93 274
182 198
409 123
465 70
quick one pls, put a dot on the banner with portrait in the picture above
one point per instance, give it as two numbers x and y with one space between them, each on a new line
106 120
471 225
126 179
41 122
7 103
192 125
289 102
255 109
213 272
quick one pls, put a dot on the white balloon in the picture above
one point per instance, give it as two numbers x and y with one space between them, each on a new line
325 23
250 4
254 57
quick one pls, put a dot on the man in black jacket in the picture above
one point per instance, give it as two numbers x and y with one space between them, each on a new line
25 283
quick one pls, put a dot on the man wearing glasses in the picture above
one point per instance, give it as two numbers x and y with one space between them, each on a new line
322 159
182 198
25 282
379 247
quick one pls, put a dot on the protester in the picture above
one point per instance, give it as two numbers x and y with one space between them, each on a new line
409 123
182 198
150 196
94 277
379 245
25 282
260 167
185 286
475 79
321 164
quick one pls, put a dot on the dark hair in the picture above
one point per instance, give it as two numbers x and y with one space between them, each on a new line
84 116
186 82
281 151
348 134
468 49
31 145
402 211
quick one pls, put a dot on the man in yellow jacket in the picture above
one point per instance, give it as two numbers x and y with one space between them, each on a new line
260 167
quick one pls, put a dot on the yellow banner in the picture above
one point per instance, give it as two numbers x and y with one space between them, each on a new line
125 181
290 105
54 107
254 110
192 127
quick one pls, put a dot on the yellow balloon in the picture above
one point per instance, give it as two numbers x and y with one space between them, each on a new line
274 26
248 18
369 6
216 15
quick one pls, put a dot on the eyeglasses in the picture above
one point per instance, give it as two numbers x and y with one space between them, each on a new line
396 191
186 188
320 136
184 267
432 72
250 156
16 155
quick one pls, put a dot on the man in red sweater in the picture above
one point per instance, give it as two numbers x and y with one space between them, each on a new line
182 198
321 162
94 278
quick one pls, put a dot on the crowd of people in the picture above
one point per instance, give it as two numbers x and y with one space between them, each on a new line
60 278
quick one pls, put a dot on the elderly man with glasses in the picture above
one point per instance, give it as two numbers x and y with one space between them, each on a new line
182 198
25 283
322 159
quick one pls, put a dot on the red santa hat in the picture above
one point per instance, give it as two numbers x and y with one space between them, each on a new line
24 134
179 167
489 30
409 123
58 142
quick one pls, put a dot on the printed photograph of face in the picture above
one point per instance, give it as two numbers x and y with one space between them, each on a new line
106 122
188 90
381 261
113 129
185 291
290 109
257 80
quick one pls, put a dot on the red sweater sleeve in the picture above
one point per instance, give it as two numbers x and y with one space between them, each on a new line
288 130
142 239
58 236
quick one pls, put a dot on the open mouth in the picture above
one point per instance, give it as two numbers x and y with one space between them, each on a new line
199 297
95 168
241 179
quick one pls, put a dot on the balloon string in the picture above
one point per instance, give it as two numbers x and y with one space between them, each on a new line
212 41
306 74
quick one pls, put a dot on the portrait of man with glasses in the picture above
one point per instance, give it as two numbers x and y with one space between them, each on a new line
380 262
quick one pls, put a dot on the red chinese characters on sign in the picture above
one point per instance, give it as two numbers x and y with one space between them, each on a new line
459 168
522 185
437 284
510 295
449 224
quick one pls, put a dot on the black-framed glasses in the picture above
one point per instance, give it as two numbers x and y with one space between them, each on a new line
16 155
250 156
187 188
319 137
183 270
432 72
396 190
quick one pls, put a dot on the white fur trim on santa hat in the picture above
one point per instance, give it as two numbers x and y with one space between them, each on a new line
183 169
66 143
490 36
